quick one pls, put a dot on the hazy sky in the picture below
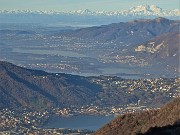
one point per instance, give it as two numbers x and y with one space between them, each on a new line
70 5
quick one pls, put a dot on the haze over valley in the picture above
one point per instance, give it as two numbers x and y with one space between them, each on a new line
71 72
114 49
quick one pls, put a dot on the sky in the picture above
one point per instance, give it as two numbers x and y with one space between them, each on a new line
94 5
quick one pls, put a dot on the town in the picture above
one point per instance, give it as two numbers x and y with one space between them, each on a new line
29 121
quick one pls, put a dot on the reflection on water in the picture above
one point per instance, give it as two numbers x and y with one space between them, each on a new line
90 122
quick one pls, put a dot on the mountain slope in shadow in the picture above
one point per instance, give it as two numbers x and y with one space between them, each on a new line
20 87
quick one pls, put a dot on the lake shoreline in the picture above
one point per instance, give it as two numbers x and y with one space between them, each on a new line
82 122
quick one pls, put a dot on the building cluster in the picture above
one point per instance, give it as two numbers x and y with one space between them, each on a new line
99 110
26 121
21 121
29 122
168 86
63 66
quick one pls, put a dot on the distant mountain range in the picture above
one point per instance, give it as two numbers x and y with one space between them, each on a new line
132 32
146 10
165 121
154 39
86 16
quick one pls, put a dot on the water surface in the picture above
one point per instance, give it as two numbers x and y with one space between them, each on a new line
50 52
91 122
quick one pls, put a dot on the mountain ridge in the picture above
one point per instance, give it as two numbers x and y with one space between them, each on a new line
21 87
85 17
132 32
144 122
35 88
147 10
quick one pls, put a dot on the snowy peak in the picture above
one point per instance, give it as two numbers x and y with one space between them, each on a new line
146 9
151 10
155 8
141 10
86 11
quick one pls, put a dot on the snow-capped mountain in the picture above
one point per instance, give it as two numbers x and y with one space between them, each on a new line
146 10
86 17
83 12
151 10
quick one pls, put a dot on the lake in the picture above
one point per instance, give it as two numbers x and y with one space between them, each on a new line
50 52
91 122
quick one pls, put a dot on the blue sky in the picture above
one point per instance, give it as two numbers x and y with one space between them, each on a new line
69 5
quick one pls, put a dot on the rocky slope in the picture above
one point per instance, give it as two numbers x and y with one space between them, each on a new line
164 120
163 48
